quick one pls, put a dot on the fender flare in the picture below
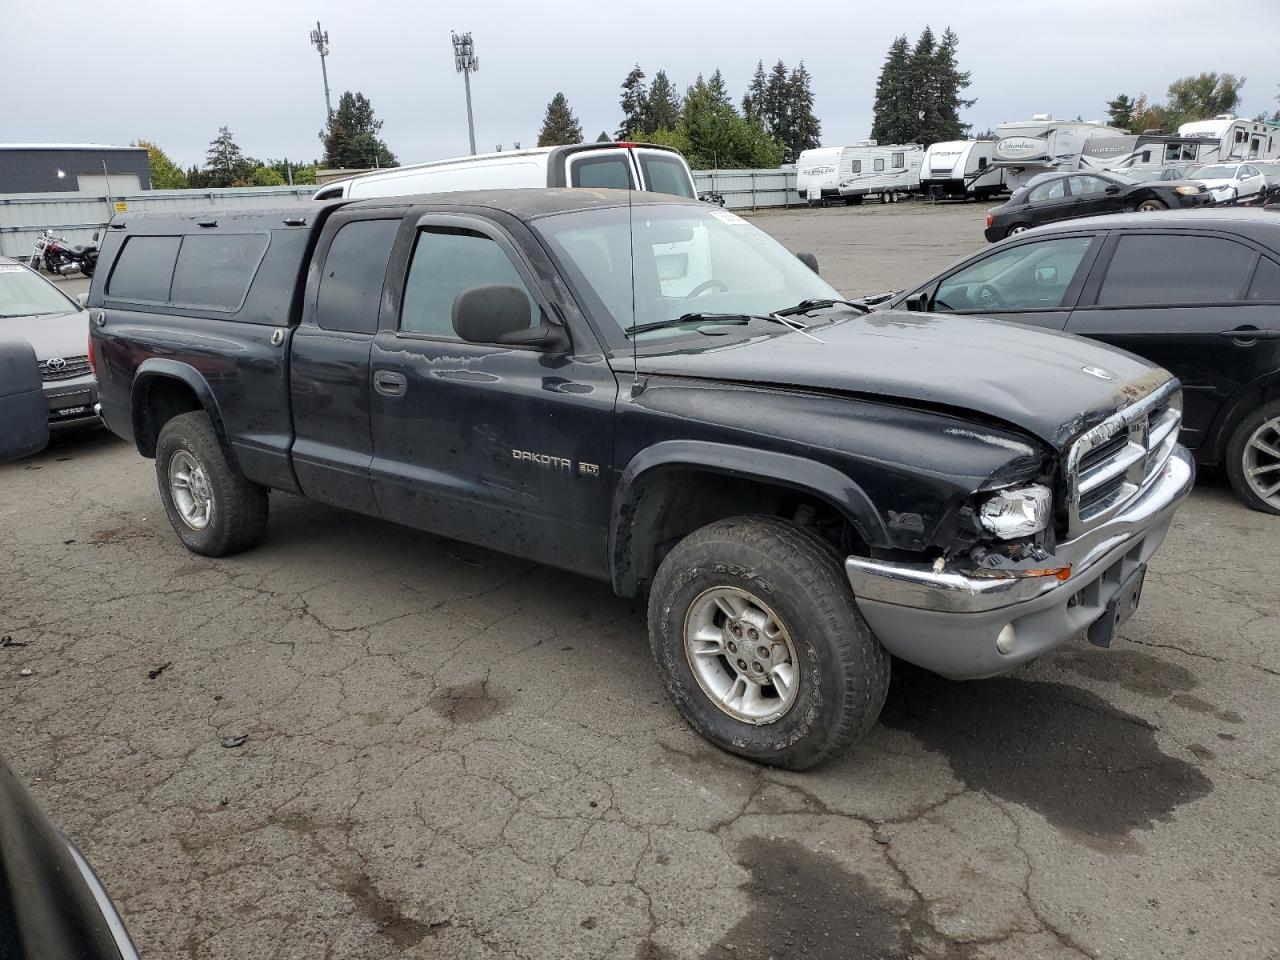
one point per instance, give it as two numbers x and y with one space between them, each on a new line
160 368
780 469
1232 409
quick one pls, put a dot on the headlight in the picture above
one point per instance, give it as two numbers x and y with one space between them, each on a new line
1187 190
1016 512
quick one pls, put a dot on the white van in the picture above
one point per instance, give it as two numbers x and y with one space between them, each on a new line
638 166
960 168
857 171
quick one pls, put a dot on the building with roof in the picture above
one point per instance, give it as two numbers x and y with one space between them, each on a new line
86 168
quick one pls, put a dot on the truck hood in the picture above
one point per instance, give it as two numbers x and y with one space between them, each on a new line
50 334
1051 385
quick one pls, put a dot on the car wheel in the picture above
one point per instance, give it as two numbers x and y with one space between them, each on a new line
213 509
760 645
1253 458
1016 229
1150 206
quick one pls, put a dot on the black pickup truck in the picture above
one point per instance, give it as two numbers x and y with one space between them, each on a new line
644 390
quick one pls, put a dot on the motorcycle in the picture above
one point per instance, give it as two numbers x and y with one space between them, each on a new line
55 255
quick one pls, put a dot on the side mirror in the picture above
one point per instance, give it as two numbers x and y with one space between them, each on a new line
499 314
917 302
1112 190
809 260
24 411
83 299
95 235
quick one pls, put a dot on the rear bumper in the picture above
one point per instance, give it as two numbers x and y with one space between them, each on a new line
948 622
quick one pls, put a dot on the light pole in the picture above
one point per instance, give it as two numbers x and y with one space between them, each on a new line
320 39
464 58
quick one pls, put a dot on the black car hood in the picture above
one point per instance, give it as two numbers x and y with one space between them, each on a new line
1051 385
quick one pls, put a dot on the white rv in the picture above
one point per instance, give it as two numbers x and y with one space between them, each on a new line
861 170
960 168
1025 148
1237 139
638 166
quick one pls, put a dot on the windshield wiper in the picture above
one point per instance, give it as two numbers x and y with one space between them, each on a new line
734 318
804 306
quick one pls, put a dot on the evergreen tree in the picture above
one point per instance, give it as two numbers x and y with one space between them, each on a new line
224 162
635 104
351 136
559 127
753 99
804 132
775 115
604 138
712 134
920 75
948 81
662 110
1120 111
717 90
894 120
165 174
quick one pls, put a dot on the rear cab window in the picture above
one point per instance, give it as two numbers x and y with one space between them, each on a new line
610 171
665 174
355 267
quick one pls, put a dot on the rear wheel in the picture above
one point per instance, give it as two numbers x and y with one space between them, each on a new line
760 645
1151 206
213 509
1016 229
1253 458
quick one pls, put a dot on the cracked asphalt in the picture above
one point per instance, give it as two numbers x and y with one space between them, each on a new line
450 753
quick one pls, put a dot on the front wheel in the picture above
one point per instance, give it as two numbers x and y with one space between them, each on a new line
760 645
1151 206
1253 458
213 509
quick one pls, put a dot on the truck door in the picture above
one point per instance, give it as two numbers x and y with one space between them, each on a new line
329 362
508 447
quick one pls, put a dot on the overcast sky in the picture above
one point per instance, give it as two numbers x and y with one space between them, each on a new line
98 72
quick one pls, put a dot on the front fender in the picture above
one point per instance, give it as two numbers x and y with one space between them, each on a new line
627 543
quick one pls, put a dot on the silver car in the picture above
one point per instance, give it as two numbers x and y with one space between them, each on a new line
34 310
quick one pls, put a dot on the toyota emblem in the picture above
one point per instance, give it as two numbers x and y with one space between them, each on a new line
56 363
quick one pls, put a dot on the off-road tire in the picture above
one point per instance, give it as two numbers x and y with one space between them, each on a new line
239 516
1235 456
843 670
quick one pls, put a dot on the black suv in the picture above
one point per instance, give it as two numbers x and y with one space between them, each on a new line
1196 292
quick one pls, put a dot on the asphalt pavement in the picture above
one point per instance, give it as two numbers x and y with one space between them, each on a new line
361 741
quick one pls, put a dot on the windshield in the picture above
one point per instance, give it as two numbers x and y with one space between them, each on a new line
23 294
1217 172
688 260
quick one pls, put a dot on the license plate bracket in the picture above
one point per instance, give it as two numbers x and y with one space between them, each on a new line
1119 609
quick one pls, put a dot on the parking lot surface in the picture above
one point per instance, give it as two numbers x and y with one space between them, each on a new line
360 741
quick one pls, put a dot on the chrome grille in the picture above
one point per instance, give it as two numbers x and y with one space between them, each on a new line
64 368
1121 457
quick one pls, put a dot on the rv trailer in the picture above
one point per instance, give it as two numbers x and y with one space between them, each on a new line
959 169
1042 144
851 173
1238 139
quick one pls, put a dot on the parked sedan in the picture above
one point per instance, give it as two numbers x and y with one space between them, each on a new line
1231 181
1065 196
1197 293
34 310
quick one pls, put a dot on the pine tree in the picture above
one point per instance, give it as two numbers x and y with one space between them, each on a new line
560 126
753 99
776 106
635 104
804 132
921 74
224 162
604 138
712 134
948 81
1120 111
894 120
718 91
351 135
662 111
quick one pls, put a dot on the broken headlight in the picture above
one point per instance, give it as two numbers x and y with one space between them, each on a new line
1016 512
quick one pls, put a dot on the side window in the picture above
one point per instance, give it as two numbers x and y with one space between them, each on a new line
144 269
857 166
1031 276
1266 281
215 270
354 268
610 171
1053 190
879 164
1087 186
1165 269
982 163
445 263
899 160
665 175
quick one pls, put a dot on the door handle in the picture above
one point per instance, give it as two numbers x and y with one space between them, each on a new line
1247 335
389 383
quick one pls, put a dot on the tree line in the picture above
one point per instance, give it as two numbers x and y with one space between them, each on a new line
1199 97
775 123
351 139
918 93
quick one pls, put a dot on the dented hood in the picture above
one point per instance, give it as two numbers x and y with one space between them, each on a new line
1051 385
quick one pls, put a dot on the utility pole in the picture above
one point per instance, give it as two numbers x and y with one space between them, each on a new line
464 58
320 39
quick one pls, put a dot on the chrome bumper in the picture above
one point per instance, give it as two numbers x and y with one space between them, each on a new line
948 621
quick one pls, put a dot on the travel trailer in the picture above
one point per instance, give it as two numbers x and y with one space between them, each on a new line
1042 144
960 168
854 172
1238 139
639 166
1145 156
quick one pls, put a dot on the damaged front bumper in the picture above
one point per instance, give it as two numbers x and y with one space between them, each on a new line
949 622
